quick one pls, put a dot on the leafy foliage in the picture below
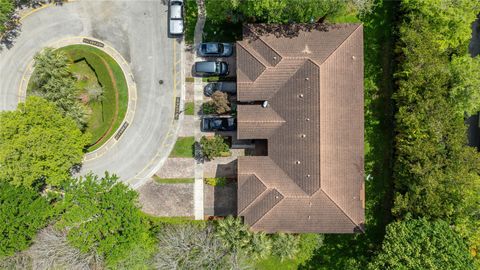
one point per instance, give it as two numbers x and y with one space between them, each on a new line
53 81
22 213
280 11
6 9
242 243
216 181
101 216
419 244
38 145
214 146
436 174
220 102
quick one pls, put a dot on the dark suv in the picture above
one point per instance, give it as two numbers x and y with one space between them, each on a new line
211 68
218 123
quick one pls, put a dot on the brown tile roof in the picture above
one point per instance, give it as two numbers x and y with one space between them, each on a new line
312 178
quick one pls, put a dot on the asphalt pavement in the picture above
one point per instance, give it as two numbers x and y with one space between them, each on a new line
136 29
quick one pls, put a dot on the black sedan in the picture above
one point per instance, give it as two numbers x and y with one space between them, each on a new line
211 68
216 123
215 49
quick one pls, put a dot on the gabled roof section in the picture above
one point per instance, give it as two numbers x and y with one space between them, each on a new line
313 82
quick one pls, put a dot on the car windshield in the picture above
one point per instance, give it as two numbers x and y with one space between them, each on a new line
212 48
217 67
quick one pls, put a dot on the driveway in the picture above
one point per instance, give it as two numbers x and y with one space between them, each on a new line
137 29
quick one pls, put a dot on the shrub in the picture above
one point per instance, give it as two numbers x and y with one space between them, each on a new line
220 102
216 181
215 146
22 213
208 108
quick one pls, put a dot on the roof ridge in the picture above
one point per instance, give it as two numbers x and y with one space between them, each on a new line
273 49
339 45
254 54
261 182
260 197
341 209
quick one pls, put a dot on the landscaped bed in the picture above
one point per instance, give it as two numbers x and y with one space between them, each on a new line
102 90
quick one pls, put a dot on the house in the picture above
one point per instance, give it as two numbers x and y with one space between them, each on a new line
300 95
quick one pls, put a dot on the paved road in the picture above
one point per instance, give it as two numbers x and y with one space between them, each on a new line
137 29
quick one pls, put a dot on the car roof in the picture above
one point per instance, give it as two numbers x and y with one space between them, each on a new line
176 26
176 11
205 65
211 47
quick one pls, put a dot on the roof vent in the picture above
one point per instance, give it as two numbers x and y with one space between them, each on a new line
274 58
308 175
309 217
300 96
265 104
276 197
297 162
307 119
353 57
303 135
306 79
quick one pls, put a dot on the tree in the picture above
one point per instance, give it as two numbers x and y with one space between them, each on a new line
38 145
53 81
6 9
221 103
241 242
282 11
22 213
101 215
285 246
190 247
51 250
420 244
214 146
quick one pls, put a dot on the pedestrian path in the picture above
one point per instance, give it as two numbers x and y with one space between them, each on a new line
198 100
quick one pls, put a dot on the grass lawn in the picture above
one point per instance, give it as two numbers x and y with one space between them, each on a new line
173 180
191 13
184 147
106 114
189 108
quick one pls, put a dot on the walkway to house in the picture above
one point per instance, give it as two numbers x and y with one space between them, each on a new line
198 100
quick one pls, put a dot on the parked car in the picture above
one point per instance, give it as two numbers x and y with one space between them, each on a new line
175 18
216 49
227 87
211 68
217 123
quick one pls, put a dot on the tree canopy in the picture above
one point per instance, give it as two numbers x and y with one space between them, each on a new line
53 81
437 176
38 145
281 11
22 213
419 244
102 216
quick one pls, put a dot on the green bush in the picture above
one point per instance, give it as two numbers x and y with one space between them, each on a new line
22 213
209 108
215 146
420 244
216 181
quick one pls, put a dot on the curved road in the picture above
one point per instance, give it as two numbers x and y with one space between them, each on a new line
137 29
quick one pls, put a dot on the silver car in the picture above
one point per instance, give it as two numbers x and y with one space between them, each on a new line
175 18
